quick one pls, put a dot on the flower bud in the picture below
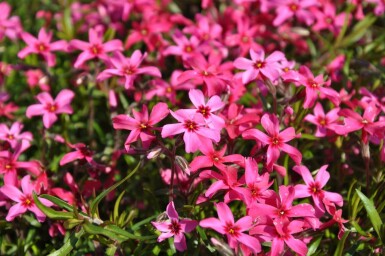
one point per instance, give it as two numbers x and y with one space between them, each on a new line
183 164
154 153
222 247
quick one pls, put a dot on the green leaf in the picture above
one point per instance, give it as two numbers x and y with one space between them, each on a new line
314 245
68 245
372 212
116 207
97 230
96 201
51 213
128 235
341 244
358 31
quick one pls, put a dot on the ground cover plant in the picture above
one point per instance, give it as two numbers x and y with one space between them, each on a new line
159 127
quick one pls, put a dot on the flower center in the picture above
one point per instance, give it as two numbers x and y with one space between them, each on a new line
27 201
275 141
188 48
245 39
96 49
259 64
204 110
10 137
129 71
169 89
364 121
144 32
41 47
174 227
191 126
286 69
8 167
143 126
322 121
51 108
315 189
293 7
231 229
205 73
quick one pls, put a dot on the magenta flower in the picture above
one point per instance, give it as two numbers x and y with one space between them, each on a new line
281 233
185 47
174 227
314 187
193 125
142 125
325 123
128 68
207 109
49 107
315 86
275 140
14 135
210 73
95 48
214 158
24 200
42 45
299 8
225 225
9 26
268 67
81 152
328 19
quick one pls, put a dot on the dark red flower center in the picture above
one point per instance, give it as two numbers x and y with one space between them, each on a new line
204 110
231 229
293 7
259 64
188 48
41 47
129 70
191 126
315 188
10 137
174 227
96 49
27 201
51 108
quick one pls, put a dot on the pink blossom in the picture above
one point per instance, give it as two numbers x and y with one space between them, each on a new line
314 187
193 125
6 109
81 152
14 135
210 73
49 107
175 227
142 125
42 45
186 48
35 77
9 26
287 9
275 140
326 123
268 67
95 48
225 225
128 68
23 199
328 19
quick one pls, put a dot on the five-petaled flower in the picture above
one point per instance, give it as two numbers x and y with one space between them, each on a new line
175 227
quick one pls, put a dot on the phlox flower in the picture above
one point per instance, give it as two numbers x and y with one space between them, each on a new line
42 45
95 48
49 107
313 188
175 227
35 77
328 19
287 9
274 139
7 109
142 125
193 125
9 26
326 123
226 225
81 152
23 199
128 68
268 67
185 47
13 135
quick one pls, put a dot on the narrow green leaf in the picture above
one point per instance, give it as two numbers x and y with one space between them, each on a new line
341 244
314 246
137 225
372 212
68 245
126 234
51 213
116 206
111 250
358 31
97 230
96 201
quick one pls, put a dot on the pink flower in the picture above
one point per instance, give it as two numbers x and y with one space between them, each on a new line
328 19
214 158
6 109
128 68
14 135
24 200
325 123
268 67
42 45
35 77
9 26
185 47
314 187
210 73
81 152
142 125
225 225
299 8
49 108
275 140
95 48
193 125
174 227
